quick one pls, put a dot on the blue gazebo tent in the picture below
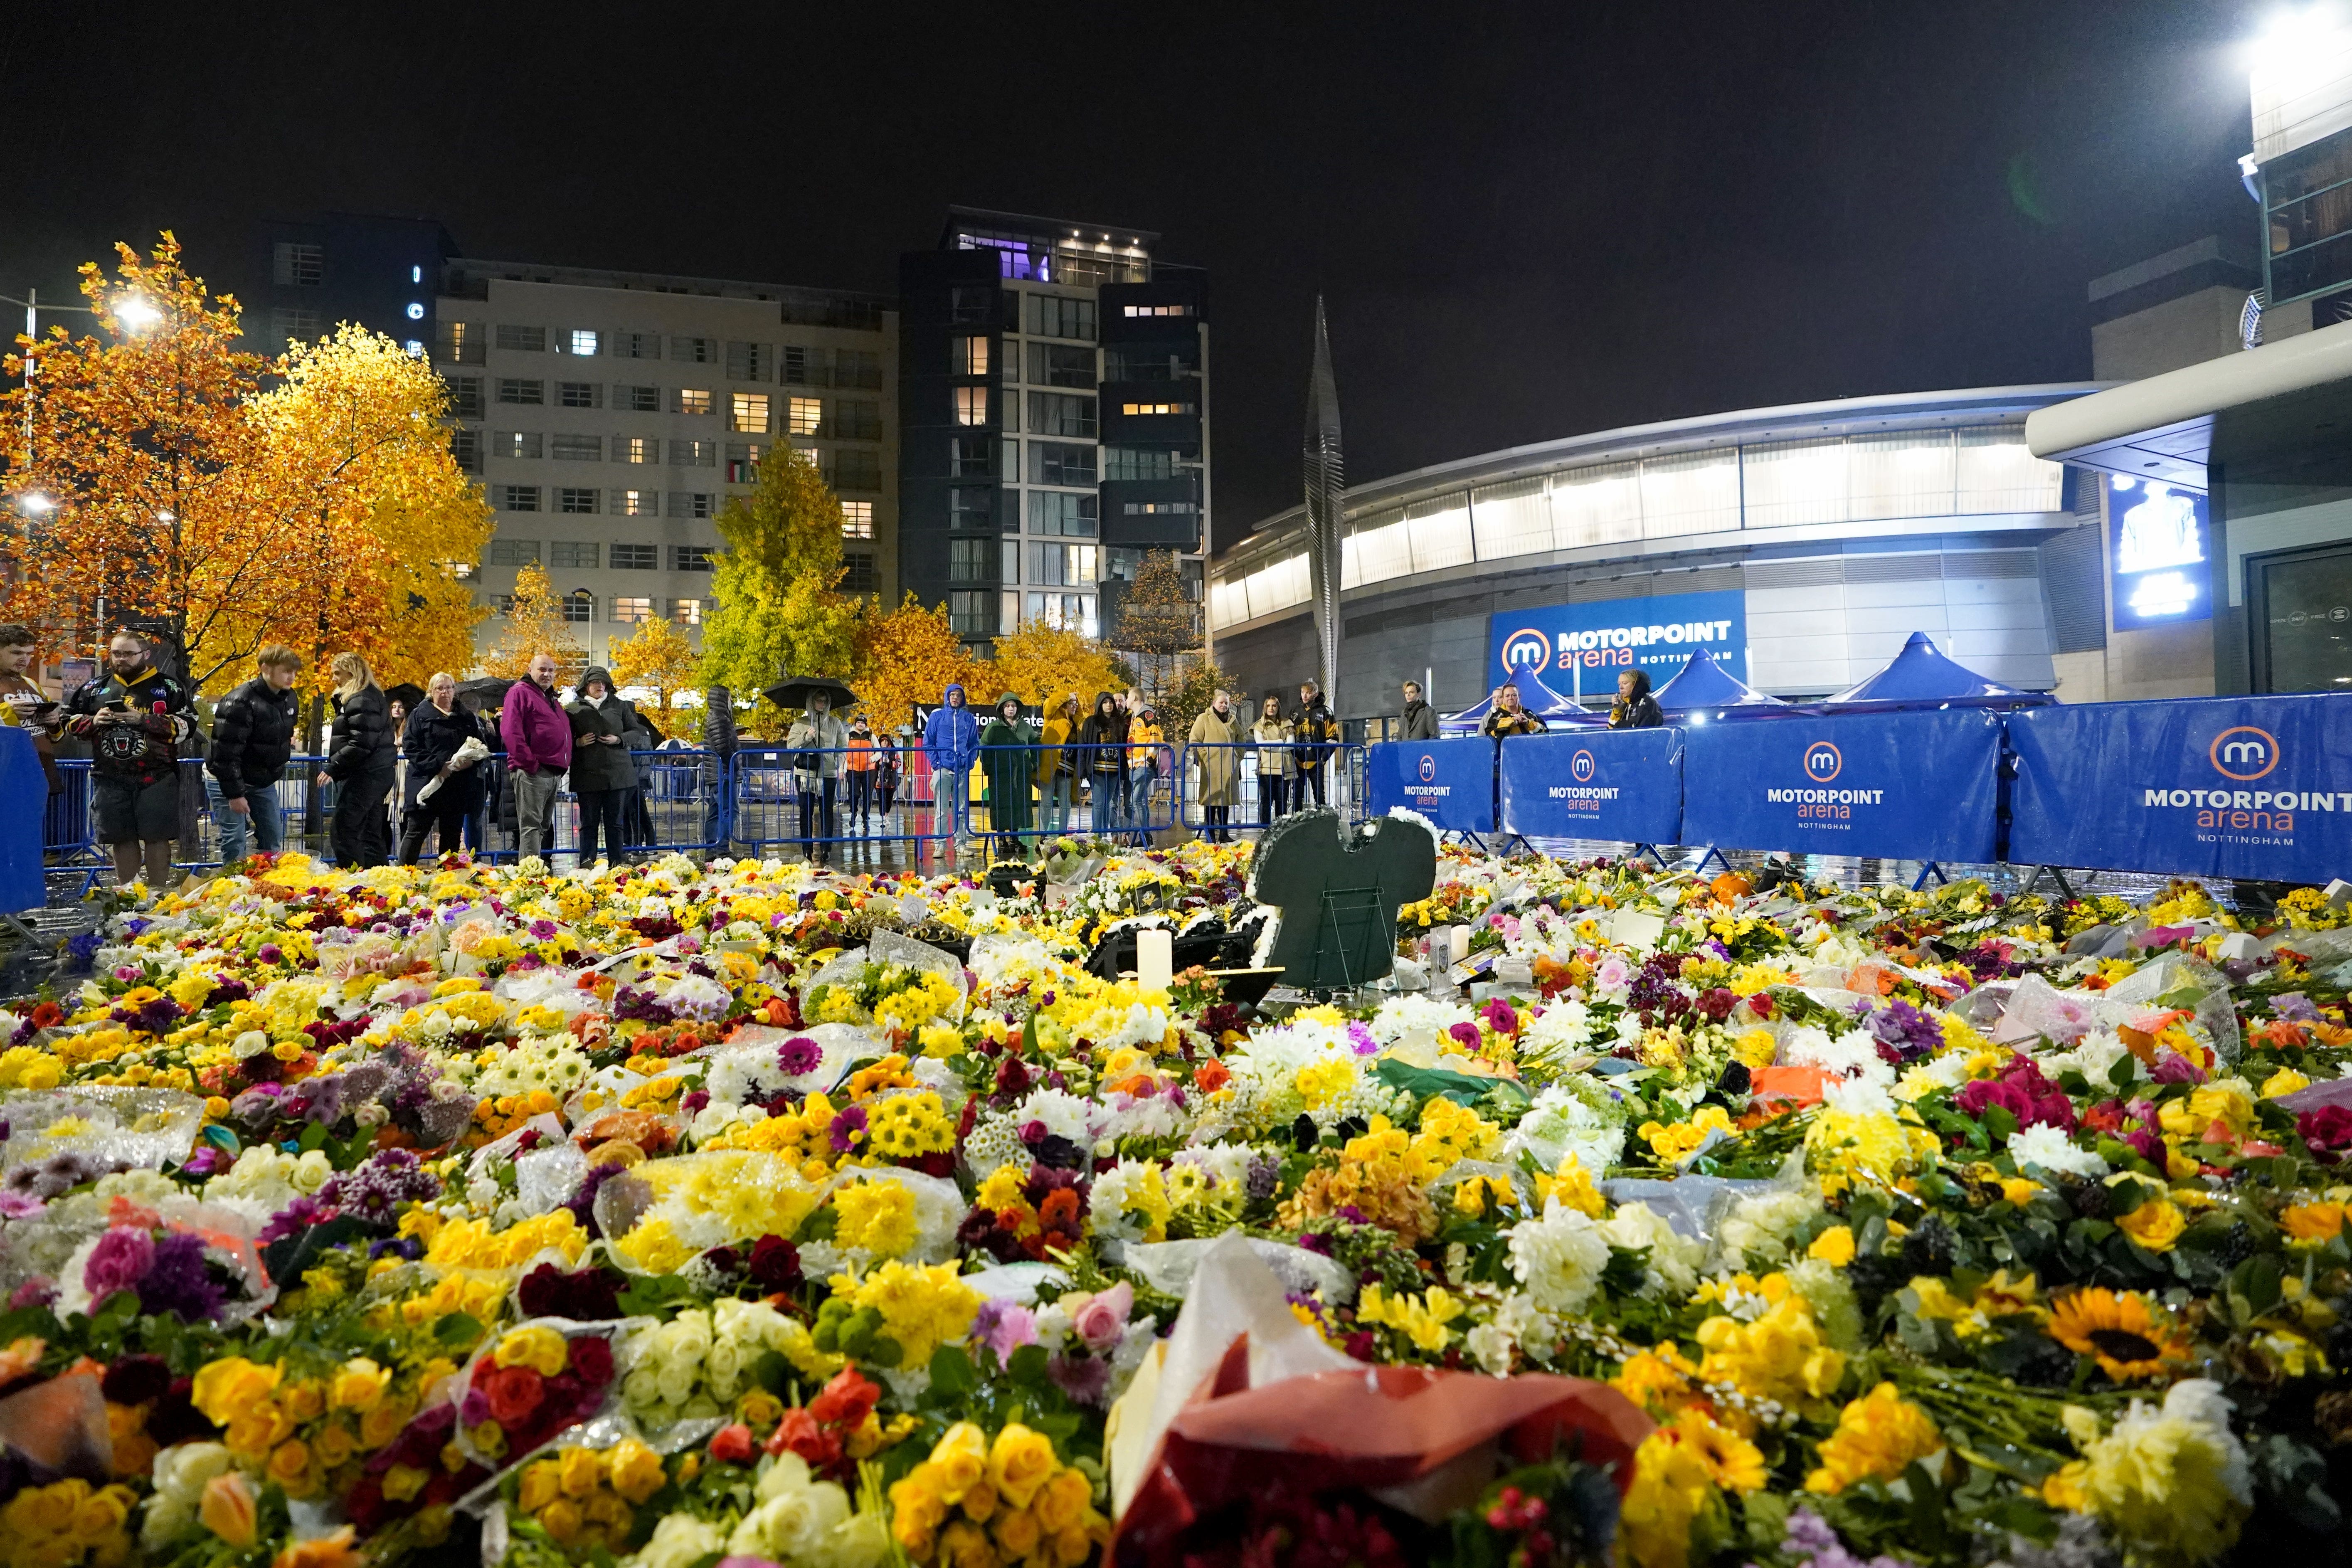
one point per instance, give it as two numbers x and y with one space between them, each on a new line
1705 687
1924 676
1534 696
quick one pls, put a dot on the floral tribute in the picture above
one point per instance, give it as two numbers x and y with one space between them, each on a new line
749 1214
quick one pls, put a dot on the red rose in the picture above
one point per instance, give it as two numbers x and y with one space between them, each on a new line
514 1393
591 1360
799 1433
847 1401
731 1445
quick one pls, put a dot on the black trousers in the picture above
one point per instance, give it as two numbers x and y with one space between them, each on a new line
860 803
1307 776
1272 788
363 828
1217 823
817 822
609 809
444 814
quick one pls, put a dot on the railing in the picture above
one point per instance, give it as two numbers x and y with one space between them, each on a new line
1263 794
776 803
1125 802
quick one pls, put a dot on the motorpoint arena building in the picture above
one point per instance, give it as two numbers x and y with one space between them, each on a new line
1800 544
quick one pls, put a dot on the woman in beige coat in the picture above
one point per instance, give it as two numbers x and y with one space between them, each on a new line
1275 763
1219 767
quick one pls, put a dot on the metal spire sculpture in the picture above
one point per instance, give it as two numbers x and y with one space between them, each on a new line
1327 493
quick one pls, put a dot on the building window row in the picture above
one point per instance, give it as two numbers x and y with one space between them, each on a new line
789 364
582 554
589 500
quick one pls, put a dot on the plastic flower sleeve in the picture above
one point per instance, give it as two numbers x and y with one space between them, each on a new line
523 1403
145 1128
1171 1267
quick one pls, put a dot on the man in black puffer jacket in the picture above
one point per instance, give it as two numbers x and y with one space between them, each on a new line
253 735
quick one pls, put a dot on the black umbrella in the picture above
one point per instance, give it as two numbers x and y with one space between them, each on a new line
408 694
794 692
485 691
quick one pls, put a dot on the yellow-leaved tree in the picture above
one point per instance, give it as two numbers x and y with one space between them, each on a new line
779 607
534 623
656 655
1044 663
390 520
911 656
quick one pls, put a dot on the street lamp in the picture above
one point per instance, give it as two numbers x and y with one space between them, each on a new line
136 313
33 503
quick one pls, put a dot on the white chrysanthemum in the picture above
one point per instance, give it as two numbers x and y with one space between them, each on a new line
1107 1204
1946 1071
1866 1095
1561 1028
1064 1115
1759 1229
1579 1115
2051 1148
1674 1258
1848 1054
1559 1256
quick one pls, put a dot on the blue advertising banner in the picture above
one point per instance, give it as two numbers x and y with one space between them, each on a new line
2259 788
1908 786
1587 646
1452 782
1621 785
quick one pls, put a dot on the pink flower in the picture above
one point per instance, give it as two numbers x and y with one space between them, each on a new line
1102 1322
118 1262
1005 1327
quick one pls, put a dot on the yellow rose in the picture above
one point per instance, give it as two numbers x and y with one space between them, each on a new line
1018 1532
305 1401
359 1384
1019 1462
540 1349
562 1518
1062 1501
224 1390
581 1471
2155 1226
637 1470
539 1486
383 1424
102 1510
401 1482
287 1462
961 1457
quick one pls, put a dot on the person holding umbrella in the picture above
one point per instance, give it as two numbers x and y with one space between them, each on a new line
1007 755
816 742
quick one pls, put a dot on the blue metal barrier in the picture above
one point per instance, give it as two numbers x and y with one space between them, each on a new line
771 797
1100 805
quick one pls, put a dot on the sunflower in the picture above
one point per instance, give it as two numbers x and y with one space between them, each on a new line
2129 1341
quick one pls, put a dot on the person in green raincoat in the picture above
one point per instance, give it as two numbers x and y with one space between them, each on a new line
1008 756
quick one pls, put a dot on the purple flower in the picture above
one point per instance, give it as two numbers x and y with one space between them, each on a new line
2174 1068
270 953
2295 1006
1904 1033
799 1054
845 1129
1361 1033
1005 1327
17 1205
542 929
1083 1378
118 1261
1498 1014
181 1281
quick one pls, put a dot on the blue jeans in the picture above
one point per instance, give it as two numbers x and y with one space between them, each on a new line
259 821
1109 796
1139 801
1053 805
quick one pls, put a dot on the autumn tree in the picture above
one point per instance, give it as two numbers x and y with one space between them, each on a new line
780 609
1044 663
534 623
1159 622
356 429
656 655
908 657
140 441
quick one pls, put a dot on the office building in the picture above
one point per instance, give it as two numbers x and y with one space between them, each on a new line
1054 411
306 276
610 414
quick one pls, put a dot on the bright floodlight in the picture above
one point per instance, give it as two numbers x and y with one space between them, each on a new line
34 503
2293 41
134 312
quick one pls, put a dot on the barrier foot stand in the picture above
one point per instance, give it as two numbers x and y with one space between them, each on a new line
1709 853
1649 849
1927 870
1465 835
1504 847
10 922
2056 875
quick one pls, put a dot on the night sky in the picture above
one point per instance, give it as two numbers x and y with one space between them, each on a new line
1530 220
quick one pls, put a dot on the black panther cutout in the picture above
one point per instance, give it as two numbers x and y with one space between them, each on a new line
1338 894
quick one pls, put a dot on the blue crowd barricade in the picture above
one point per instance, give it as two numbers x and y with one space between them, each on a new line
775 804
1450 782
22 886
1259 796
1075 799
67 829
1911 786
1620 785
2251 787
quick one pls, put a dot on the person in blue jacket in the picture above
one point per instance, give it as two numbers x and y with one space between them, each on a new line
951 742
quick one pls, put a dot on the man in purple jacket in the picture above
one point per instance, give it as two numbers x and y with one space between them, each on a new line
537 735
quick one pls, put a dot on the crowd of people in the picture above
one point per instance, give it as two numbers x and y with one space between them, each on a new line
407 779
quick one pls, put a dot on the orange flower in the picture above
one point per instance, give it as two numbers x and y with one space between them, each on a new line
2128 1340
335 1551
227 1509
1211 1076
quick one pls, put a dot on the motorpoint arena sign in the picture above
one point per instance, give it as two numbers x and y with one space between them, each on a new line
1585 647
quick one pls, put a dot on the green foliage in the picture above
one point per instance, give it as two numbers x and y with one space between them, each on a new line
779 608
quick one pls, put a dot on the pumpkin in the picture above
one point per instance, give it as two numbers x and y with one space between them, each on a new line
1729 886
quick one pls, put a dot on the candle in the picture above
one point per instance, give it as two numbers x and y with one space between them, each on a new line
1459 937
1155 955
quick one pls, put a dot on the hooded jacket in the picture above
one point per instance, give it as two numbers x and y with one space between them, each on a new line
253 736
1101 750
1641 711
952 734
595 765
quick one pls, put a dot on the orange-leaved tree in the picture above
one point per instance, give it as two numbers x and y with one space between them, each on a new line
907 657
658 656
533 624
1044 663
162 507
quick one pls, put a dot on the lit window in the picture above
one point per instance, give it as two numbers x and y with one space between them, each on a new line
749 413
580 606
1160 508
743 461
627 611
969 356
461 342
971 406
690 401
582 342
693 454
635 449
516 444
635 557
1159 309
1155 408
807 415
857 519
637 503
685 611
